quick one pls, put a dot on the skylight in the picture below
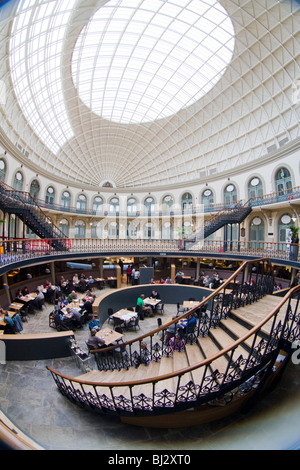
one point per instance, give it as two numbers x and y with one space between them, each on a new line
141 60
36 43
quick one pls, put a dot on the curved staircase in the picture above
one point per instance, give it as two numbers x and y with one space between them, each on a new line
230 357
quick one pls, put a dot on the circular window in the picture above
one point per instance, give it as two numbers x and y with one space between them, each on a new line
255 182
230 188
133 65
286 219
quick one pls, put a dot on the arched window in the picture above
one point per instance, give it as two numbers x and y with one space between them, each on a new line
34 189
80 229
113 230
66 200
283 181
64 227
50 196
167 205
284 224
167 231
81 204
257 232
98 205
255 188
148 231
230 194
96 230
114 206
149 206
18 181
207 198
132 230
131 207
187 203
2 170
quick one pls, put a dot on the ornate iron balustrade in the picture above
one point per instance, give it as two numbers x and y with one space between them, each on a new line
238 377
25 249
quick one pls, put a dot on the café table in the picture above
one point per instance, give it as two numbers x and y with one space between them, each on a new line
188 304
111 281
124 315
15 306
151 301
109 336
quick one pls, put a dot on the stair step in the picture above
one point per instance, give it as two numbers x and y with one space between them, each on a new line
209 349
195 356
253 314
224 341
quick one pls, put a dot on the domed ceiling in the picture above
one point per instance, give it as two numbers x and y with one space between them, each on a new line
139 93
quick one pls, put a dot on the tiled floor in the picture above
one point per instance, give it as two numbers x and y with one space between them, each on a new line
30 398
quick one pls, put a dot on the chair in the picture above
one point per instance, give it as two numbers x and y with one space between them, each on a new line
134 323
52 323
140 312
160 308
180 309
24 314
110 313
159 322
118 322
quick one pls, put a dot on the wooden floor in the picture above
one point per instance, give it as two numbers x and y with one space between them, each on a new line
230 330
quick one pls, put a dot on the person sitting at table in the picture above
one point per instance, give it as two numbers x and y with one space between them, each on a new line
168 280
93 323
86 310
144 311
176 343
38 302
90 282
25 291
75 317
155 295
94 342
188 324
72 296
62 301
75 279
10 327
170 331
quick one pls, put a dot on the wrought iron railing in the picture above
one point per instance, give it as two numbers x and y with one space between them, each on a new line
155 395
15 250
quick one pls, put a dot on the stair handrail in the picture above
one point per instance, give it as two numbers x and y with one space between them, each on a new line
186 370
32 203
211 220
163 327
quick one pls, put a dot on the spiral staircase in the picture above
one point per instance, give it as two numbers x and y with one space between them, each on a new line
244 336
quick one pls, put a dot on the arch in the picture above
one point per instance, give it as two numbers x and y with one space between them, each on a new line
50 195
80 229
65 200
3 169
18 180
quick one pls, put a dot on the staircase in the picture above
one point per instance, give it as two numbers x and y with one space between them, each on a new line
234 215
229 358
25 207
236 326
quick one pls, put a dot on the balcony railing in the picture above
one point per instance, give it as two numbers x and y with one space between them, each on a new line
16 250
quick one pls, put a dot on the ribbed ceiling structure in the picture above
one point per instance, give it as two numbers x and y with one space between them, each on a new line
135 93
